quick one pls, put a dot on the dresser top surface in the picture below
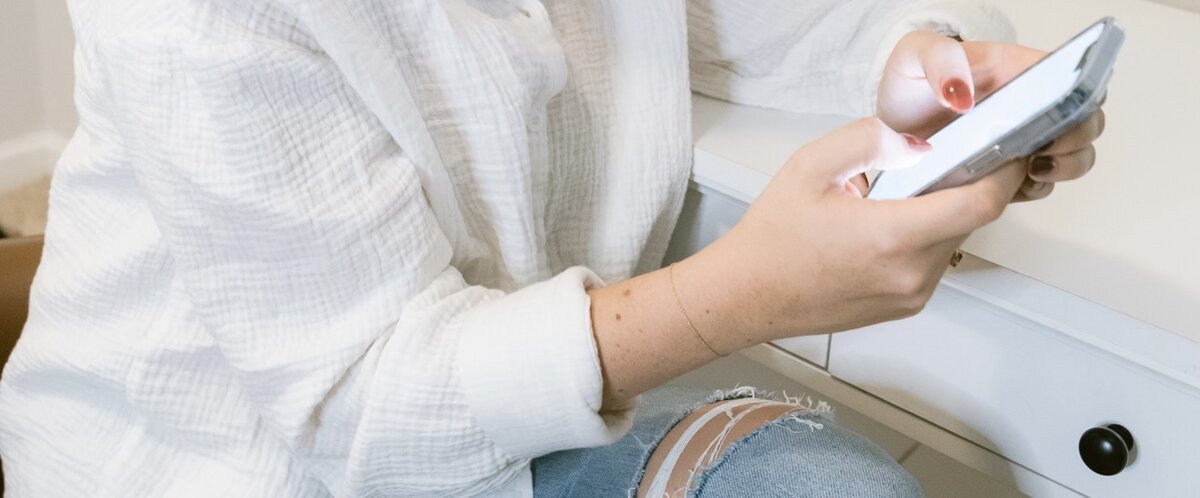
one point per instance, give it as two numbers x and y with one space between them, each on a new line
1114 237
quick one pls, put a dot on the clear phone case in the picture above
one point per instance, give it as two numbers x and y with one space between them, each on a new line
1096 67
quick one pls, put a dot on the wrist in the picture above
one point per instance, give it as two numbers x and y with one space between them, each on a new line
721 299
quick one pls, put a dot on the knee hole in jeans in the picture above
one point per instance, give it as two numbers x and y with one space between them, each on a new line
702 438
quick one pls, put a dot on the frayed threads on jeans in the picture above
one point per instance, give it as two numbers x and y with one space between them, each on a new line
803 453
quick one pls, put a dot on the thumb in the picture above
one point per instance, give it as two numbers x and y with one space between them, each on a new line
944 63
856 148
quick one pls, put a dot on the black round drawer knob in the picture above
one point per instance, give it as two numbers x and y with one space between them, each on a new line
1106 449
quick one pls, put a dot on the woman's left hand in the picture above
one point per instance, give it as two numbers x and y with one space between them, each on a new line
930 79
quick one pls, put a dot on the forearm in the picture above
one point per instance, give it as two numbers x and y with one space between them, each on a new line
642 336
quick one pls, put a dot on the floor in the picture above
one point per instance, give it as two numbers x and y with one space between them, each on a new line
940 476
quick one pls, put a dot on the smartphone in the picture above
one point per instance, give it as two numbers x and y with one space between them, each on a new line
1049 98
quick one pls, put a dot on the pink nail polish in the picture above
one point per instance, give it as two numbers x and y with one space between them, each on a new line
958 94
916 143
853 189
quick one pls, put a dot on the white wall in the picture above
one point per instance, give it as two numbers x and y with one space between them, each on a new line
56 44
21 109
1192 5
37 112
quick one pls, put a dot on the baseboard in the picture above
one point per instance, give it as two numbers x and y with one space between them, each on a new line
25 158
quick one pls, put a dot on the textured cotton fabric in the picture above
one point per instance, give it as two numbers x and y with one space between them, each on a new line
302 248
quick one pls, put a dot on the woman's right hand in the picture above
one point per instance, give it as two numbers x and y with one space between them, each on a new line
811 255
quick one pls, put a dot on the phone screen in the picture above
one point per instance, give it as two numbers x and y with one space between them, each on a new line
1019 101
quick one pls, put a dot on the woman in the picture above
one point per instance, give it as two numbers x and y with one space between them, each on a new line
359 248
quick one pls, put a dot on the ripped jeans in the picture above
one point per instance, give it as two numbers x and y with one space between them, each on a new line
804 453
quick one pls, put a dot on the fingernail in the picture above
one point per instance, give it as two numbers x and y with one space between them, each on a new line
853 189
958 94
1041 166
916 143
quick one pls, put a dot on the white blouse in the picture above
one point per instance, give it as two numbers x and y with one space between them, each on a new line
302 248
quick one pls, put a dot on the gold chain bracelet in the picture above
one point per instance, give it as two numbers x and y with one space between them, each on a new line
679 303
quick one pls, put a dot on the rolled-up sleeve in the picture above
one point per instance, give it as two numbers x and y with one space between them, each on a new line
816 57
530 372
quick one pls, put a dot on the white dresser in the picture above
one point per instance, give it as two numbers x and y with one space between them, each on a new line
1002 371
1074 313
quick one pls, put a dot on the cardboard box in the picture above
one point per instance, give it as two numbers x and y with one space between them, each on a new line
19 260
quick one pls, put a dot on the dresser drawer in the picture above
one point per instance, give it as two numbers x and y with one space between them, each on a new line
1027 386
707 215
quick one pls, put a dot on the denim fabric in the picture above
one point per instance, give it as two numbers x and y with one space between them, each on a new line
798 455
